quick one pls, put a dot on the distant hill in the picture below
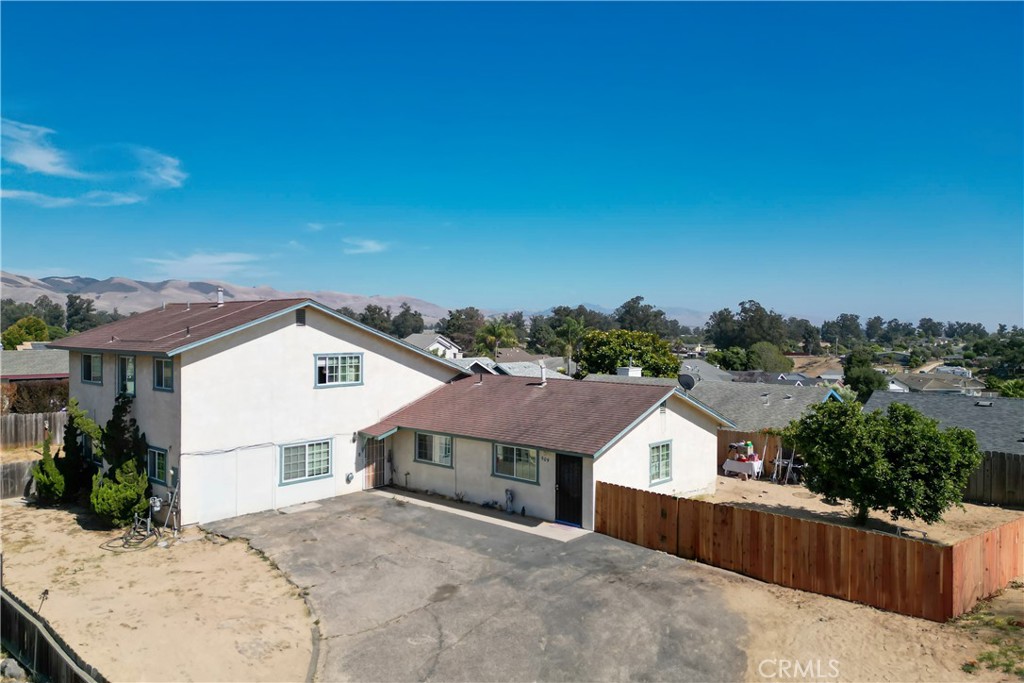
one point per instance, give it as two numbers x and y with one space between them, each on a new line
131 296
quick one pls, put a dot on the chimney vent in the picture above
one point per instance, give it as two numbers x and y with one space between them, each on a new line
543 374
220 297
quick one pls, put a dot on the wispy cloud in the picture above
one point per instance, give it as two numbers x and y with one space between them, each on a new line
27 146
319 226
315 227
128 174
203 264
160 170
93 198
361 246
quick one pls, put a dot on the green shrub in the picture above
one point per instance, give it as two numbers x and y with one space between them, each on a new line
117 500
77 470
49 480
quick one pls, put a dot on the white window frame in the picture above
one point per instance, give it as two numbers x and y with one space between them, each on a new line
333 376
167 377
313 465
154 456
660 462
519 454
122 381
92 360
434 449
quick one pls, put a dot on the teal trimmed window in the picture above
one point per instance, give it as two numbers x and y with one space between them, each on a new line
661 462
305 461
126 375
156 465
163 374
515 462
435 449
92 368
339 369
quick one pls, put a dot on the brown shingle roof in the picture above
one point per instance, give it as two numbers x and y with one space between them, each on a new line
163 330
567 416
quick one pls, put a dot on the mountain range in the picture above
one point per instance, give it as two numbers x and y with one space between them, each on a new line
132 296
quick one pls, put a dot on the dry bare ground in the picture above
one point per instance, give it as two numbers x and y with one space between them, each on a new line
21 454
198 610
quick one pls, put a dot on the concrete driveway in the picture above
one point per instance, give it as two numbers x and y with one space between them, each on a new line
405 592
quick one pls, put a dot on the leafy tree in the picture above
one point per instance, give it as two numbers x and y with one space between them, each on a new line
49 480
603 352
722 329
873 328
768 357
116 500
495 333
49 311
542 338
571 334
965 331
1011 388
930 328
348 312
41 396
377 317
899 462
635 315
760 325
27 329
74 466
517 322
860 375
461 326
406 322
81 313
11 312
845 328
733 358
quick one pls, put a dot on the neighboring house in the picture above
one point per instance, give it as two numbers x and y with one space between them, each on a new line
997 422
519 356
34 364
527 369
477 365
954 370
701 370
831 376
549 442
250 405
896 386
941 384
437 344
754 407
795 379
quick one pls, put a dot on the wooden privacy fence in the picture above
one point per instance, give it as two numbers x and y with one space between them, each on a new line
893 573
999 480
763 444
27 429
31 640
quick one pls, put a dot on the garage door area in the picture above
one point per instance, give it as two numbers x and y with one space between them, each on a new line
405 592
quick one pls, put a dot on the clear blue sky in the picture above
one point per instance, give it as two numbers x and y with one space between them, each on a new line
818 157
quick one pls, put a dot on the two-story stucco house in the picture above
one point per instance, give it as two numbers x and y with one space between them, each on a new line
258 405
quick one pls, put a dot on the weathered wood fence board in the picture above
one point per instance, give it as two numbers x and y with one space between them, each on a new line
893 573
999 480
15 478
27 429
29 637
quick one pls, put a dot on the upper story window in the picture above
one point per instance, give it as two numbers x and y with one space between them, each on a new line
163 374
92 368
338 369
126 375
661 462
515 463
434 448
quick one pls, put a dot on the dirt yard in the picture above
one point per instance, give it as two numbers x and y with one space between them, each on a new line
797 501
198 610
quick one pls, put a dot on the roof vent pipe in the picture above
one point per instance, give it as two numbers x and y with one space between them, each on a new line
543 375
220 297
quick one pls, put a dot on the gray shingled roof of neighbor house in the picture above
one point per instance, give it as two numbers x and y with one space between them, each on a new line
571 417
34 364
754 407
999 427
425 339
625 379
704 370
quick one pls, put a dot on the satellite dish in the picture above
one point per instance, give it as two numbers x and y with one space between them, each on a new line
687 381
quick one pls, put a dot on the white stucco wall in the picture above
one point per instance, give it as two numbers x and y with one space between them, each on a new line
254 391
471 476
694 452
157 412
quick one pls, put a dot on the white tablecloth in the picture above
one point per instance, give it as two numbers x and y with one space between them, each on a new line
751 468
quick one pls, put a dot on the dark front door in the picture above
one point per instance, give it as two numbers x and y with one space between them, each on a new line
569 489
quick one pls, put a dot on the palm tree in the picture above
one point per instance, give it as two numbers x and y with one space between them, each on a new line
571 333
495 333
